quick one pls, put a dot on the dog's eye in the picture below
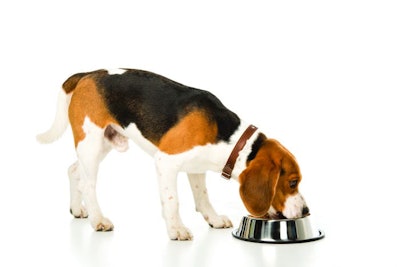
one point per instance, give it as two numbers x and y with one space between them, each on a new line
293 183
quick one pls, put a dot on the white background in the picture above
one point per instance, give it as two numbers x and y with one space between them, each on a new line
321 77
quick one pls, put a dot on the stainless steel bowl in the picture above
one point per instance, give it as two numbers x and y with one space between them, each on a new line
277 231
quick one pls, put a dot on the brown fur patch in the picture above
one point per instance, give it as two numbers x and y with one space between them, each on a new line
87 102
195 129
70 84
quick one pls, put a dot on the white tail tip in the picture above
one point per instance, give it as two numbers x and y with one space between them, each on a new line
60 122
47 137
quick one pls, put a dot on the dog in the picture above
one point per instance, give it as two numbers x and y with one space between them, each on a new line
185 130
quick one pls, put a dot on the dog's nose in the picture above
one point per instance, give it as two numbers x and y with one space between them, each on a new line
280 215
306 211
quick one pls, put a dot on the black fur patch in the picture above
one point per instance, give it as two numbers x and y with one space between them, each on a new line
256 146
155 103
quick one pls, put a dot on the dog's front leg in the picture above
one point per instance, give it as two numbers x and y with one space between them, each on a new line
167 179
203 205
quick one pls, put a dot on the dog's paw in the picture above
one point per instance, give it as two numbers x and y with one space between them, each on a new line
102 224
79 212
180 233
220 221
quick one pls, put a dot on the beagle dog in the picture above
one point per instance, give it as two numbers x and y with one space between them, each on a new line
185 130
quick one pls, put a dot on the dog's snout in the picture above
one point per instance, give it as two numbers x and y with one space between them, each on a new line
305 211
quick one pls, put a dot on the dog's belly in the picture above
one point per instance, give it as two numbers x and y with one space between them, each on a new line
133 133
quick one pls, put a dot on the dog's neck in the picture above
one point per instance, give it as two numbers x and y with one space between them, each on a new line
241 161
230 164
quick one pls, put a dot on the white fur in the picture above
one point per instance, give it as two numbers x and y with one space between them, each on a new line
60 122
76 206
272 212
116 71
294 206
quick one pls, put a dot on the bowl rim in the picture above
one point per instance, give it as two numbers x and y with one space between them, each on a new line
319 234
273 219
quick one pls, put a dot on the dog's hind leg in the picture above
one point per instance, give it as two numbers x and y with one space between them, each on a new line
77 209
202 202
91 151
76 206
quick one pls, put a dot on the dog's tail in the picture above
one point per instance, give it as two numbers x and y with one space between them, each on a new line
60 122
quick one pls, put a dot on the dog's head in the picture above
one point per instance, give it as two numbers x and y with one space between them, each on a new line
269 184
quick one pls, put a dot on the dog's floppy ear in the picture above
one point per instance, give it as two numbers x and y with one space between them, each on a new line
257 185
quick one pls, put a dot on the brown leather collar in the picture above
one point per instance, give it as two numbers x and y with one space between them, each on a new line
230 164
